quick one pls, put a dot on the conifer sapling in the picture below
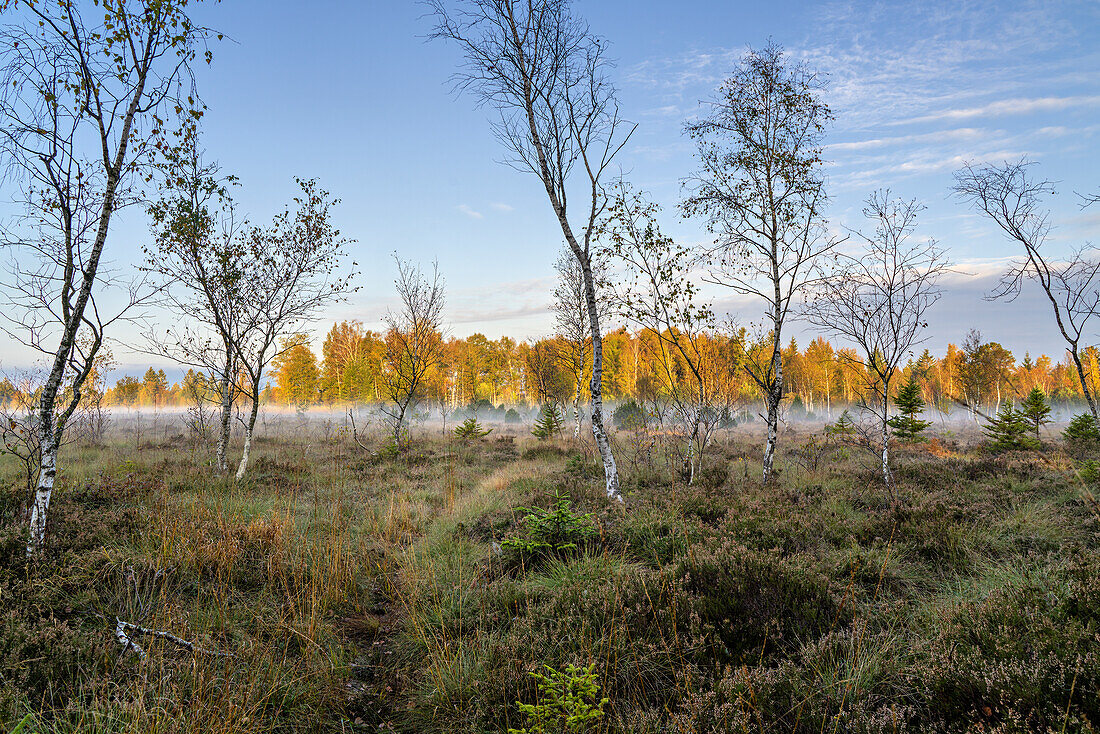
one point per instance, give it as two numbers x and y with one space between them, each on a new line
1036 409
910 402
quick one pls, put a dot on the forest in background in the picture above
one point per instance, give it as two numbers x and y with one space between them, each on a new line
821 378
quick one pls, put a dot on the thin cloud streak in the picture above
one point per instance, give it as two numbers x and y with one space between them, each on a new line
1004 107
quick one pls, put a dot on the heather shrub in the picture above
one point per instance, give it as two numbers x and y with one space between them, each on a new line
639 621
713 475
658 536
756 603
1024 658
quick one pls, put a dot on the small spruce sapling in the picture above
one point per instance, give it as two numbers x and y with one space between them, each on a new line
910 403
549 423
1082 431
569 701
1036 409
844 429
558 532
1009 430
470 430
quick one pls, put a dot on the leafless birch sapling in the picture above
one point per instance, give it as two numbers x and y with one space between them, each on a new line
85 105
1013 199
545 74
877 299
292 271
760 189
655 292
570 308
414 344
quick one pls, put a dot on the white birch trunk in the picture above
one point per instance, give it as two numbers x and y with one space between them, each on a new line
226 394
47 475
577 411
248 430
886 452
610 470
773 396
691 461
773 436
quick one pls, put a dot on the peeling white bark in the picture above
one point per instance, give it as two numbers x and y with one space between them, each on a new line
248 431
886 454
773 398
47 476
124 639
577 412
226 390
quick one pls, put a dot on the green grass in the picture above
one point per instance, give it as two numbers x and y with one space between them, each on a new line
354 592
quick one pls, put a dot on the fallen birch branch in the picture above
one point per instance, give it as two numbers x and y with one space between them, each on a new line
125 632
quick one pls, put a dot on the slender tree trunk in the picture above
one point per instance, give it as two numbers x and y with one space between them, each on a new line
1089 398
47 474
47 411
610 470
398 425
886 452
225 393
577 411
248 430
692 454
774 396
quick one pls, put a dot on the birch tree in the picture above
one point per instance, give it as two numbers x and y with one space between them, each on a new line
414 344
760 190
292 271
199 261
544 73
1010 196
85 104
656 293
571 318
877 298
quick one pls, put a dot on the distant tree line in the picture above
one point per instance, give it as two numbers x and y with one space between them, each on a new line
822 379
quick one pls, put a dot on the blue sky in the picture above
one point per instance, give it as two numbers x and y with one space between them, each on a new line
352 93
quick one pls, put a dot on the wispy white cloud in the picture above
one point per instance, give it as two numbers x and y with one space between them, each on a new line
500 206
524 303
670 110
1003 107
662 152
468 211
918 90
962 133
923 162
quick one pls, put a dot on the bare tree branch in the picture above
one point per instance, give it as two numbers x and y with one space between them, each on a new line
414 343
1013 199
878 298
